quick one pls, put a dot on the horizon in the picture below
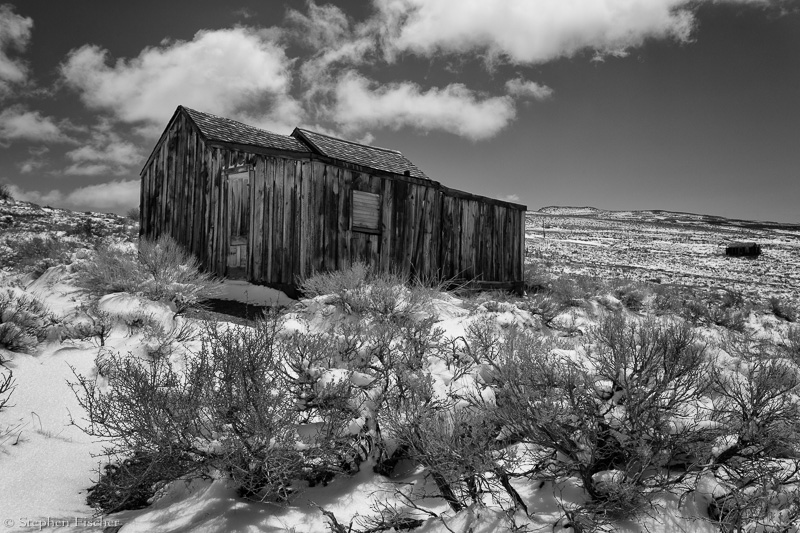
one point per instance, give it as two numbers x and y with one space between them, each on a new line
631 106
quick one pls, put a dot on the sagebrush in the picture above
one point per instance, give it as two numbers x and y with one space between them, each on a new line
24 321
158 270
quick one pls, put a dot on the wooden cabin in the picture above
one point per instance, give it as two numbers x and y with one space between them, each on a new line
743 249
273 209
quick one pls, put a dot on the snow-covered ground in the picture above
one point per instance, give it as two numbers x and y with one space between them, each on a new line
679 248
47 463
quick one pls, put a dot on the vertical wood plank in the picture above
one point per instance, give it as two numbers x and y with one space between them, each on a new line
446 253
215 200
194 209
182 187
162 188
343 218
318 214
269 216
304 223
287 222
205 231
332 217
436 236
311 224
427 238
465 240
386 241
255 239
297 173
223 248
277 223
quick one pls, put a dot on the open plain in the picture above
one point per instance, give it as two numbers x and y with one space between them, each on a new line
666 247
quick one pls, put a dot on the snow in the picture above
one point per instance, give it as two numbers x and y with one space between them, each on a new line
47 464
54 454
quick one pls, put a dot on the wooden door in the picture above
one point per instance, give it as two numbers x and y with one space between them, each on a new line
239 222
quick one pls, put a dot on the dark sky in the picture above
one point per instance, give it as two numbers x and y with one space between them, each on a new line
624 104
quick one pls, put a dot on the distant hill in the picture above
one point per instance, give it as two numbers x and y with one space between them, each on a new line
655 215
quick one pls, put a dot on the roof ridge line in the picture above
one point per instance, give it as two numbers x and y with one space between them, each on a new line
370 146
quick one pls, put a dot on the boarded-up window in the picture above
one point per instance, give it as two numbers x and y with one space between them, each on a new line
366 211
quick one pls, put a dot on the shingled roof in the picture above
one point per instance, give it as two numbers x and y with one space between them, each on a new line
221 129
361 154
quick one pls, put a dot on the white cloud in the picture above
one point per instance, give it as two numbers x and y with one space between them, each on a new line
528 31
30 165
15 33
323 26
104 156
237 73
36 161
115 196
18 123
336 43
528 89
361 104
514 198
244 13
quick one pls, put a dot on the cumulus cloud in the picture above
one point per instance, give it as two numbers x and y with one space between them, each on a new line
19 123
114 157
336 43
360 103
106 152
528 89
115 196
529 32
510 198
15 33
238 72
36 161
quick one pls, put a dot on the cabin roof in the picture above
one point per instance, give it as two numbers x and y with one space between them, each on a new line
360 154
221 129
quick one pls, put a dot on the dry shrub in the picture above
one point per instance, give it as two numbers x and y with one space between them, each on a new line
615 416
535 276
792 345
24 321
37 254
783 308
757 406
230 407
133 482
161 270
631 295
362 290
6 386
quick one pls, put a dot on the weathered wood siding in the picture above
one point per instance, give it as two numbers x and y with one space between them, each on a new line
301 214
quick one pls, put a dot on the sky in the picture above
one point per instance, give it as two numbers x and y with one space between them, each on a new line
617 104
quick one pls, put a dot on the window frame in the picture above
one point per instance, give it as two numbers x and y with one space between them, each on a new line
375 197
